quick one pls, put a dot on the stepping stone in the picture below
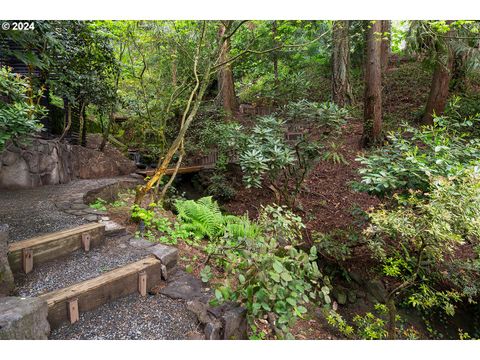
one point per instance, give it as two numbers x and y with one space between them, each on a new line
113 228
140 243
94 211
76 206
185 287
91 217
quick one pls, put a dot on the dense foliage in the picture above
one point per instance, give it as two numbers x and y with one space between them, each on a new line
19 109
414 156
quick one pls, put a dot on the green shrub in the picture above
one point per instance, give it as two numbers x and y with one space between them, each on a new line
370 326
159 228
337 245
220 187
19 110
418 240
268 160
264 271
414 156
273 279
327 114
282 224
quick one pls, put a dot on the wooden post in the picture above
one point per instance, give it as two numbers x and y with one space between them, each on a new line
73 314
27 260
86 238
142 283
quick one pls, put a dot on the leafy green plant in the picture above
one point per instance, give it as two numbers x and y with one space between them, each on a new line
99 204
118 203
370 326
159 228
268 160
334 155
338 244
206 274
327 115
220 188
273 279
282 224
19 109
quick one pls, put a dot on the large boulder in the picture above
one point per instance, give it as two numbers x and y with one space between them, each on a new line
23 319
6 278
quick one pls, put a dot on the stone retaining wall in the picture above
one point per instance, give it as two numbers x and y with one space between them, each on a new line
6 277
49 162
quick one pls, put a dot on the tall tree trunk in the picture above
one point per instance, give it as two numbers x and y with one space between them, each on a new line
442 73
84 127
226 84
386 43
372 117
275 53
341 87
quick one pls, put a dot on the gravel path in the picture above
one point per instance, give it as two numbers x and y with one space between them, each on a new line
155 317
37 211
34 212
79 266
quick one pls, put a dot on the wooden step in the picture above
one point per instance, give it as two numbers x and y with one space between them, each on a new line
23 255
90 294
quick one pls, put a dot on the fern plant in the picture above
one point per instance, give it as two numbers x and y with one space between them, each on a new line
204 219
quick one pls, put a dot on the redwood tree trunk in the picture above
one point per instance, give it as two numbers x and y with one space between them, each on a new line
341 87
226 84
386 41
372 117
440 81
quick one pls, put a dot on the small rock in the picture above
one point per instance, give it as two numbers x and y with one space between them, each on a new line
212 331
376 288
235 324
91 217
340 295
105 218
355 276
200 309
193 335
166 254
352 296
